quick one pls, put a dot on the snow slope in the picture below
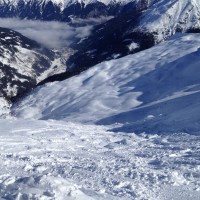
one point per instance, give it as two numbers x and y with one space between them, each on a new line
169 16
55 160
142 90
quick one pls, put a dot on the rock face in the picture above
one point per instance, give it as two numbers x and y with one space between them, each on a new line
23 63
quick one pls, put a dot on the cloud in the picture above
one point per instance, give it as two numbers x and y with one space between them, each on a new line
51 34
90 21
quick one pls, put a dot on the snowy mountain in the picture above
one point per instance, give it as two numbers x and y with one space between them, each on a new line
60 10
23 63
63 10
127 128
167 17
137 30
136 24
177 11
142 137
141 91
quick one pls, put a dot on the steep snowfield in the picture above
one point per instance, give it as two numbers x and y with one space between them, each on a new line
168 16
148 144
55 160
162 82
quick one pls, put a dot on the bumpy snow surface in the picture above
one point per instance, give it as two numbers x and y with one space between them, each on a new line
60 160
147 148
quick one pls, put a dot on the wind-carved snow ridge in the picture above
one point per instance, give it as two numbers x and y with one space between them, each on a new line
59 160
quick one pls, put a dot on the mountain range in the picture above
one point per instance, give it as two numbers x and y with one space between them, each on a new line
140 25
63 10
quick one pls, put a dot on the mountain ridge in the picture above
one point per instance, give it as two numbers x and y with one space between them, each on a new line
23 63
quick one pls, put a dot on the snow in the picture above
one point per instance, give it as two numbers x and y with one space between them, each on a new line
166 17
62 160
154 82
4 108
146 144
58 65
133 46
66 3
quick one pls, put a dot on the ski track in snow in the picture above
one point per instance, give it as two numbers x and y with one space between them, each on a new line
62 160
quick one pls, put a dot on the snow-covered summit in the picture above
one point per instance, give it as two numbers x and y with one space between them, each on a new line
60 10
64 2
162 17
